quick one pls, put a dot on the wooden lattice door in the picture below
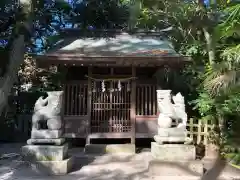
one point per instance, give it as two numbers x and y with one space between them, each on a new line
111 108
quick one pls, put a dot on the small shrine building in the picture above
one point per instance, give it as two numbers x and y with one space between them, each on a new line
110 87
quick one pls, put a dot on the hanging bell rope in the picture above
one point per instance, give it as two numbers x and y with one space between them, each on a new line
112 79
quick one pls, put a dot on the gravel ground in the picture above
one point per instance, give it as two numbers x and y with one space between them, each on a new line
107 167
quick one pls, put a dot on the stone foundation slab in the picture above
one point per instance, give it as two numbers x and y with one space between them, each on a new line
173 152
53 167
44 152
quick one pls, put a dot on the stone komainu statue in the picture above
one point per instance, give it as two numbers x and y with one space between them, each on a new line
171 111
48 110
172 119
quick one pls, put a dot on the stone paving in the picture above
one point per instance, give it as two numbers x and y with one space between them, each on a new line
107 167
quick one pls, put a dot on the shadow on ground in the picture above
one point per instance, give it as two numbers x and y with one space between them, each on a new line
112 167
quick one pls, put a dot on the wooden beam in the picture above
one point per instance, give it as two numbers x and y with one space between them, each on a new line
133 107
89 106
111 60
74 62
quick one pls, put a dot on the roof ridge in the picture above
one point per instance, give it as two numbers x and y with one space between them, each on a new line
108 32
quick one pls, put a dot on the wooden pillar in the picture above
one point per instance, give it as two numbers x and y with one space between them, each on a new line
111 103
65 69
89 105
63 108
133 107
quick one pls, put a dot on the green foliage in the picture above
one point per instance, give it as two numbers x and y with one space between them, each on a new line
39 81
100 14
231 25
213 77
231 104
204 104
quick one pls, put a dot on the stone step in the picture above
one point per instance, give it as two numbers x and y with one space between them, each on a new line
97 162
109 148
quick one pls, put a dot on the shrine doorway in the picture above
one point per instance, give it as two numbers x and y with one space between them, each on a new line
111 107
111 100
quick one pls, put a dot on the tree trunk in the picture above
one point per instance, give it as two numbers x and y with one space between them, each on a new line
135 10
209 38
210 46
16 53
7 81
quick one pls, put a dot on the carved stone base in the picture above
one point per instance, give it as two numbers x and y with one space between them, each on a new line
57 142
44 152
46 134
173 152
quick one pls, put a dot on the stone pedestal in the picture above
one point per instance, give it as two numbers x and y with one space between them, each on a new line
175 160
62 167
173 152
46 134
45 152
46 149
48 159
